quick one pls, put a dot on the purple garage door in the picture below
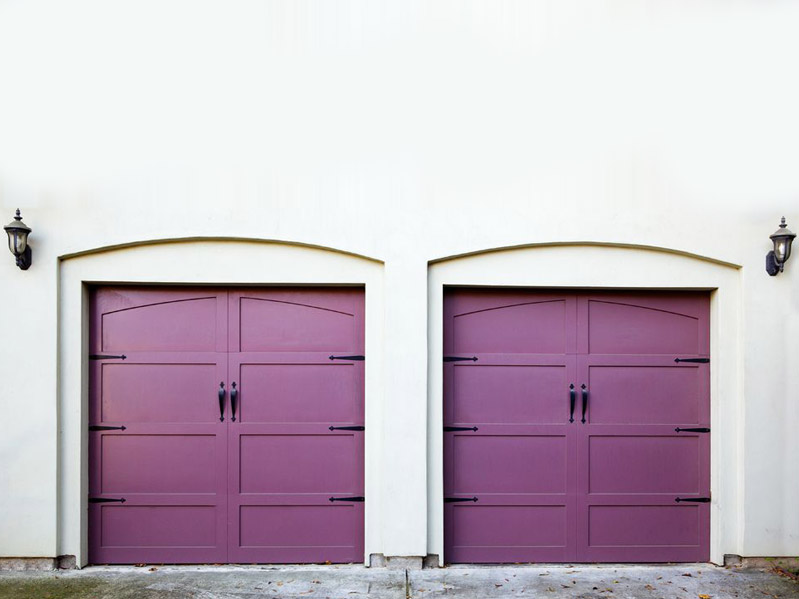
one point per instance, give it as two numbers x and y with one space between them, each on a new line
561 415
243 417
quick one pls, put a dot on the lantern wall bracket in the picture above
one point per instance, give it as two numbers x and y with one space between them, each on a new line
25 260
772 268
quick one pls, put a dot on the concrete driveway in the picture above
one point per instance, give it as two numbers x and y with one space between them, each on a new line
356 582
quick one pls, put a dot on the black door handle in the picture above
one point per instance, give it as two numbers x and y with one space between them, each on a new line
234 396
572 399
221 402
460 428
347 428
355 499
459 499
585 401
692 499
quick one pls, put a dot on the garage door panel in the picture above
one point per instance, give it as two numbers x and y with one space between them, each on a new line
509 526
298 463
159 464
644 525
267 325
509 464
298 525
646 394
178 325
285 462
531 327
629 328
300 392
158 526
645 465
177 392
510 394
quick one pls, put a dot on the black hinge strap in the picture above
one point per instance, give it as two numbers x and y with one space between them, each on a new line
692 499
459 499
691 430
356 499
354 358
694 360
105 357
107 428
347 428
460 428
105 500
459 359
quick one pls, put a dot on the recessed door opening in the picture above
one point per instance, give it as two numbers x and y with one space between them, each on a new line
226 425
576 426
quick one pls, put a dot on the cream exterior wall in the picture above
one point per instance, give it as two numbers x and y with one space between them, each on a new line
405 131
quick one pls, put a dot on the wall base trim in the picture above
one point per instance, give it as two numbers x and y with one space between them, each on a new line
761 563
32 564
398 562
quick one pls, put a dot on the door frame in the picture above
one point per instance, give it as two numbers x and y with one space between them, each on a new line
596 266
193 262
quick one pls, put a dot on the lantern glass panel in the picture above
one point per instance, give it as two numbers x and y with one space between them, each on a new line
781 250
17 242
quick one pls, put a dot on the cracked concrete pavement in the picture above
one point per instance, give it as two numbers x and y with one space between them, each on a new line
685 581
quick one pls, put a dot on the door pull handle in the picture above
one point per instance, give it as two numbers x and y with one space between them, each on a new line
459 499
355 499
692 499
346 428
585 401
234 396
460 428
221 402
572 399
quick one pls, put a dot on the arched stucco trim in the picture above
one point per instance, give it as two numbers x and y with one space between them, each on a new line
197 261
612 266
631 246
211 239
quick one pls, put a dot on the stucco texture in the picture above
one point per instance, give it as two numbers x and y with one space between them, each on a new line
392 135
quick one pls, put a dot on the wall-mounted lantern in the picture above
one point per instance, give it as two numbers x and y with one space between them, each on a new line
776 258
18 232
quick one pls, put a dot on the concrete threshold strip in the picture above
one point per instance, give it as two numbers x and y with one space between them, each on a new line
684 581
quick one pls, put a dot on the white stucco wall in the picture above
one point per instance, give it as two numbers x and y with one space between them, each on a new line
406 131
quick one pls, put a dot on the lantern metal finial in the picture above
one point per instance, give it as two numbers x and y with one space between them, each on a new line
18 232
782 239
